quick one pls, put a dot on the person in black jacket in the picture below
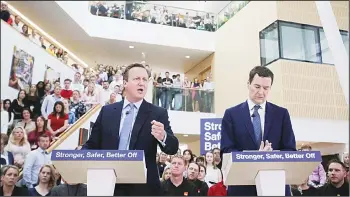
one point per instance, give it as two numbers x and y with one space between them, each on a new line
336 186
9 178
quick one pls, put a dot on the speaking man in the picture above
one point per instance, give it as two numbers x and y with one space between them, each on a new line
256 125
135 124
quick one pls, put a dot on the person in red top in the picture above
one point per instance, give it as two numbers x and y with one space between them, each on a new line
219 189
40 129
58 120
67 93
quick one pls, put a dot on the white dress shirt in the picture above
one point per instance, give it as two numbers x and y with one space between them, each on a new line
261 112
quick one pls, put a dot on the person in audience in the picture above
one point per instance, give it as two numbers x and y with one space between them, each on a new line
34 39
219 189
66 189
26 121
33 100
118 89
35 160
47 90
200 160
57 121
9 178
196 98
202 172
85 83
90 96
67 92
177 185
7 107
19 104
192 176
77 82
59 53
6 156
112 98
105 93
162 163
5 14
187 101
51 50
49 102
46 181
71 114
217 157
18 145
346 159
177 91
4 119
213 173
336 186
157 90
25 30
208 86
318 176
42 42
166 93
188 157
166 174
77 106
16 24
40 129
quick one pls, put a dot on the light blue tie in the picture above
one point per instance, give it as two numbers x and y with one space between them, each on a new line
125 133
257 125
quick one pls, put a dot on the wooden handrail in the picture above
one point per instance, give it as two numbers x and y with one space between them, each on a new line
74 127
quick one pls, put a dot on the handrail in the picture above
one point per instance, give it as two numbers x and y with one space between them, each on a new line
63 136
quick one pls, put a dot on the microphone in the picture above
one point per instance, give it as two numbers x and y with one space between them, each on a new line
127 112
253 115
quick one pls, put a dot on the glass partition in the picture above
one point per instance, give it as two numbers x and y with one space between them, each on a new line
184 99
155 14
229 11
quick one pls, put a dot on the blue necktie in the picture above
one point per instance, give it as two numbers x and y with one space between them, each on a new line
257 125
125 133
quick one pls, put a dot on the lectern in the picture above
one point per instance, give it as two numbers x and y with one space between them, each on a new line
100 169
269 171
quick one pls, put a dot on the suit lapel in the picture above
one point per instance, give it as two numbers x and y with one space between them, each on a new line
268 119
142 115
118 111
248 121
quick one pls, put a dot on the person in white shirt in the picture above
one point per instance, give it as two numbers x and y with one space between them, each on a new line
105 93
208 87
16 24
77 83
117 81
4 119
34 39
213 173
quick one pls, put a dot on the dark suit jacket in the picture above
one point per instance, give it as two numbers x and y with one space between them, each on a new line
237 134
105 136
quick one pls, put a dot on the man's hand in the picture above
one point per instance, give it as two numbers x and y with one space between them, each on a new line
158 130
265 146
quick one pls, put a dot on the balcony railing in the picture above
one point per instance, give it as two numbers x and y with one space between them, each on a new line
184 99
229 11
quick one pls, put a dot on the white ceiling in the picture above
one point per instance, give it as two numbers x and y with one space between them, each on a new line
54 21
205 6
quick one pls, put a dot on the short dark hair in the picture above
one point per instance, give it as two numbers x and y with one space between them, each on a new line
43 136
105 81
87 80
199 168
67 80
202 166
262 71
338 162
134 65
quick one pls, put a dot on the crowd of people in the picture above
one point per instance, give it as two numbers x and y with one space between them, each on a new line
155 14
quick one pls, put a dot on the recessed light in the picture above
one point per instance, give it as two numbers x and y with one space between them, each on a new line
131 47
185 135
187 57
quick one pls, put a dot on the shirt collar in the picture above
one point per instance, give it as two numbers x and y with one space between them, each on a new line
251 105
137 104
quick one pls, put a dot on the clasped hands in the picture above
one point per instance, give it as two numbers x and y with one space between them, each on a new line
158 130
267 146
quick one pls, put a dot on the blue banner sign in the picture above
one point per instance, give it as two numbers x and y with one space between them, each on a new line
277 156
210 134
97 155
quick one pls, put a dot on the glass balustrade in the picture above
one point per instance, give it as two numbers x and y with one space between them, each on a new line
155 14
184 99
229 11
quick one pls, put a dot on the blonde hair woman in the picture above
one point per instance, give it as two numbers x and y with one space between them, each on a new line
166 174
90 96
46 181
18 145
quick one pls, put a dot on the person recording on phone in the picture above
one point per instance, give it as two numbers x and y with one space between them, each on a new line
135 124
256 125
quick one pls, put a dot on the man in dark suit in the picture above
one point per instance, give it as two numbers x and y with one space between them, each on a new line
134 124
256 125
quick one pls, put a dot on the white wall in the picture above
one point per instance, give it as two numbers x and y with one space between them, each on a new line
10 38
140 32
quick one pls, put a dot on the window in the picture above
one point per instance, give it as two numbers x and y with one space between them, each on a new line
269 50
327 57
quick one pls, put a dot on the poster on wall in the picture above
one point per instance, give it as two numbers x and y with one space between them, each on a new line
210 134
51 75
21 69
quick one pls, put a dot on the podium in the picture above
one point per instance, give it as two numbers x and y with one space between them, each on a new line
269 171
100 169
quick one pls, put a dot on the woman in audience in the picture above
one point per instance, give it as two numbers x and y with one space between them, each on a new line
188 157
4 118
6 156
33 100
166 174
177 84
200 160
71 115
59 53
18 105
18 145
76 106
40 128
9 178
25 30
40 87
26 121
202 172
213 173
51 50
90 97
7 107
46 181
58 120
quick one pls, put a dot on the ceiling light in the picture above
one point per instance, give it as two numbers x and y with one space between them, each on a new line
185 135
131 47
187 57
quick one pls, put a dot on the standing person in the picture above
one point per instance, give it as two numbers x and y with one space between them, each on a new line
147 125
256 125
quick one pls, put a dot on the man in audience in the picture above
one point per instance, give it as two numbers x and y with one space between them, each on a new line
66 189
6 156
208 86
177 185
336 186
162 163
16 24
217 157
192 176
105 93
49 102
166 94
67 92
35 160
77 83
34 39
